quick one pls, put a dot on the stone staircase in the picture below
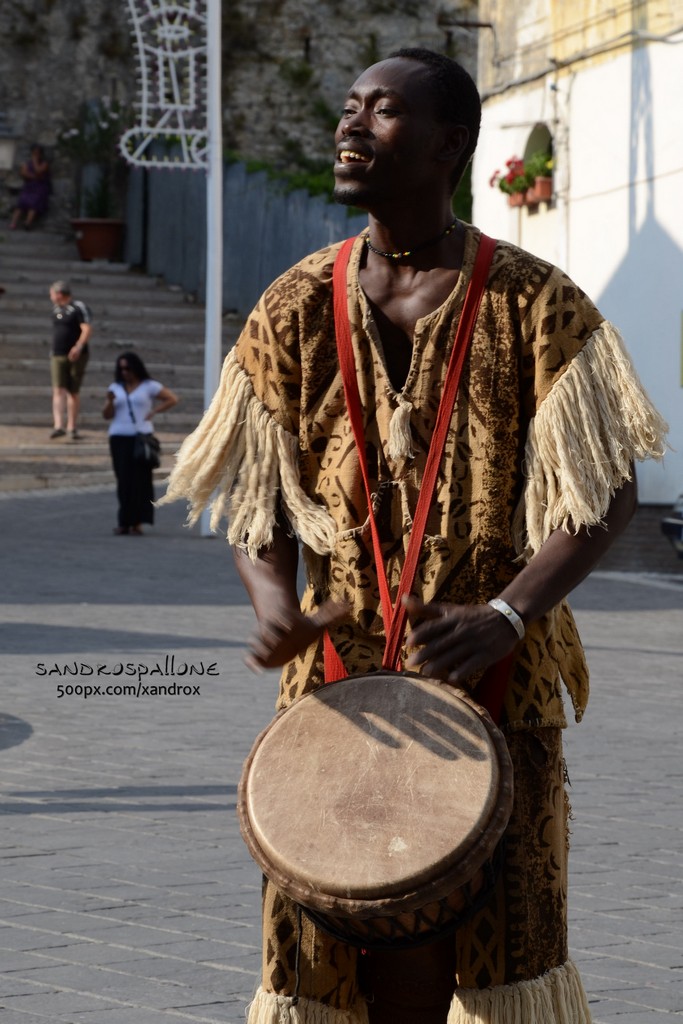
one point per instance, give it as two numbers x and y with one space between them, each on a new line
130 311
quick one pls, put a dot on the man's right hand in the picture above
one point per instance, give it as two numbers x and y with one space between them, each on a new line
283 629
282 636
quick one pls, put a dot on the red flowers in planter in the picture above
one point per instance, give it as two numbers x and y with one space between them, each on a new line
515 181
525 183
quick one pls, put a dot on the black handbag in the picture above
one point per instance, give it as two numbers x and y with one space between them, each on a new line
146 447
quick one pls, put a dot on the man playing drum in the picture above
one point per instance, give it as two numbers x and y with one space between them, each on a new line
535 482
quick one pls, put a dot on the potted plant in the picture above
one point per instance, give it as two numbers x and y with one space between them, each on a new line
539 170
514 182
91 143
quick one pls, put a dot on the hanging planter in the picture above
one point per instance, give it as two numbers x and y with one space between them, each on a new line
543 189
539 168
514 183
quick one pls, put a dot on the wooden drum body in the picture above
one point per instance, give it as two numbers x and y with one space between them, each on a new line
377 804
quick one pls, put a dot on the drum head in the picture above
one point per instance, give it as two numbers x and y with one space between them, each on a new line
373 787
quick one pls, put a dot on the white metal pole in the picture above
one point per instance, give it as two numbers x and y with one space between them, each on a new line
214 214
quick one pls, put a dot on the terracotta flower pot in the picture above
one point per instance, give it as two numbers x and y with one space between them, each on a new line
99 238
531 197
516 199
543 187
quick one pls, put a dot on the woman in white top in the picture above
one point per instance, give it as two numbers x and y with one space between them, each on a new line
132 401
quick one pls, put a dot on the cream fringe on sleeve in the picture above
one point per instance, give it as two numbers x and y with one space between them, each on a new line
595 420
240 452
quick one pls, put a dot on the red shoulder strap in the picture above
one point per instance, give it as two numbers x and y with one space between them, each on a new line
347 366
463 335
395 615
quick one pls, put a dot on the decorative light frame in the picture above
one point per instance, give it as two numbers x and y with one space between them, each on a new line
171 42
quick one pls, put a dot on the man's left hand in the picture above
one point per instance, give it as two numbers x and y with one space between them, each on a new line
454 641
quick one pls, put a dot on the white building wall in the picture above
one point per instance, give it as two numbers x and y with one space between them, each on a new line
617 223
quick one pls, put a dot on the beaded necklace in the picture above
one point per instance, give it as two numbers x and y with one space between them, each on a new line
409 252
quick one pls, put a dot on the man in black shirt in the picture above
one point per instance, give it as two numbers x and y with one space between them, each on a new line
72 327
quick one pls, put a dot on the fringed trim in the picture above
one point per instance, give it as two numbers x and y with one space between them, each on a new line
268 1008
400 444
596 419
557 997
240 451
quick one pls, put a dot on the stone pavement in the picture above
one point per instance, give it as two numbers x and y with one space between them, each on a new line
126 894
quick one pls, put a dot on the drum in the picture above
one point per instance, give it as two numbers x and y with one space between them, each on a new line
377 803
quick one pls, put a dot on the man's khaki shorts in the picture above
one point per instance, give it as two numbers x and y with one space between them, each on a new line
69 375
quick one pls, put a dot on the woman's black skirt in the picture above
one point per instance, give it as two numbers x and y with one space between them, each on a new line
133 483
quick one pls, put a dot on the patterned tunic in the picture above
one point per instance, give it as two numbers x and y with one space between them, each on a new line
548 418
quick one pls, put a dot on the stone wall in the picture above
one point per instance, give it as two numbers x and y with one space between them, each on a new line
54 54
286 67
289 63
